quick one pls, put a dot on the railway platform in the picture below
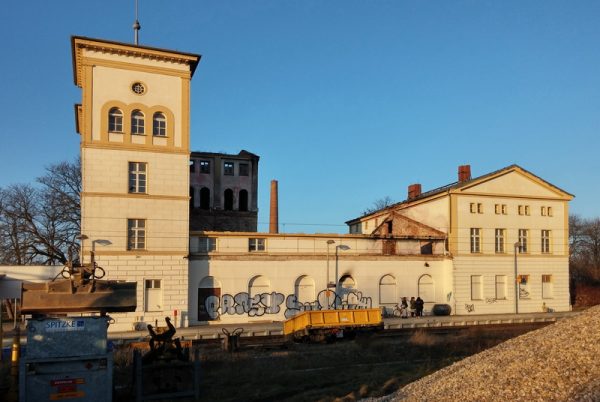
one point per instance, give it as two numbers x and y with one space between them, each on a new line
214 330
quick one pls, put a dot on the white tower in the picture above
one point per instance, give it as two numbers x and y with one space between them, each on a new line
134 127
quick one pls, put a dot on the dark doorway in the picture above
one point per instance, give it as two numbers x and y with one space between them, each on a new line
206 295
228 200
243 200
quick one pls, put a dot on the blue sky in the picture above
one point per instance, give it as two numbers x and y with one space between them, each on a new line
345 101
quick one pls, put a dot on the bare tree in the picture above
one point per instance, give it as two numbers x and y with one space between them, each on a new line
40 225
381 203
584 242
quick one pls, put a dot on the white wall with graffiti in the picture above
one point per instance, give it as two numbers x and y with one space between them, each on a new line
238 290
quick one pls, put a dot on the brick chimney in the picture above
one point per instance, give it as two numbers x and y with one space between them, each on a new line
414 190
274 217
464 173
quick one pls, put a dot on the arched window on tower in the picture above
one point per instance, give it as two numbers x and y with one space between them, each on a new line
115 120
204 198
243 200
159 124
228 200
137 122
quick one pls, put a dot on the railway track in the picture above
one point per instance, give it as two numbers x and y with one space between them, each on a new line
277 342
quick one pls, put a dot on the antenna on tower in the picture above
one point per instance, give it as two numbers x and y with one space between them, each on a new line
136 25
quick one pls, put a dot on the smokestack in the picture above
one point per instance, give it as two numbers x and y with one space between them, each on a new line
464 173
414 190
274 218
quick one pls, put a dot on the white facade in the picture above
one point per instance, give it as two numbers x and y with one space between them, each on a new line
236 284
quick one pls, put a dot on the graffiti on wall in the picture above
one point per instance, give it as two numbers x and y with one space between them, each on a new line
215 306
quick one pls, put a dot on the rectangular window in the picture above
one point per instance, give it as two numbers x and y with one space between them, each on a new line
244 169
526 209
204 166
153 295
228 168
256 244
547 287
500 240
543 211
136 234
523 281
207 244
523 234
476 287
545 241
137 177
479 208
473 207
521 210
498 209
500 287
475 240
504 209
550 211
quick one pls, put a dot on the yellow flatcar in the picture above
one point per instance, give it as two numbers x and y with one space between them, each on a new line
320 325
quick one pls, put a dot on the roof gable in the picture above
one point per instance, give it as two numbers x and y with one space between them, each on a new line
512 181
525 182
403 226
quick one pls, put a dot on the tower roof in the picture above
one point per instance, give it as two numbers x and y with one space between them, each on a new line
78 43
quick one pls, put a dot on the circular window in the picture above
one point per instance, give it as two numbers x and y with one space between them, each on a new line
138 88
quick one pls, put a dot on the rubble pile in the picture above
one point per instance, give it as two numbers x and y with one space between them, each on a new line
556 363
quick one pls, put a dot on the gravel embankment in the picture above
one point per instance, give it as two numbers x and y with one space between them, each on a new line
560 362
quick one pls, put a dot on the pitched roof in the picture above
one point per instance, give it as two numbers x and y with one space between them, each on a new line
457 185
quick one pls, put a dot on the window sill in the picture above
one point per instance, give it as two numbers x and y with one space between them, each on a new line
160 136
116 132
140 134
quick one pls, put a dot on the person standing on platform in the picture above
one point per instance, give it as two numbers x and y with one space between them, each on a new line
419 307
413 306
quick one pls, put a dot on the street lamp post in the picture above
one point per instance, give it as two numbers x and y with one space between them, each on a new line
101 242
517 245
343 248
327 284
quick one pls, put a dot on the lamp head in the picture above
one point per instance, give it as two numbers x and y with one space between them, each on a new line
103 242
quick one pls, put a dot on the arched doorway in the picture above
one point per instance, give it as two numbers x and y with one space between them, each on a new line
346 292
209 297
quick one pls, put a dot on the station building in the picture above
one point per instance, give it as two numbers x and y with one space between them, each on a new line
497 243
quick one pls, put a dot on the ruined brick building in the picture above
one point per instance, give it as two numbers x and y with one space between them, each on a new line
224 191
